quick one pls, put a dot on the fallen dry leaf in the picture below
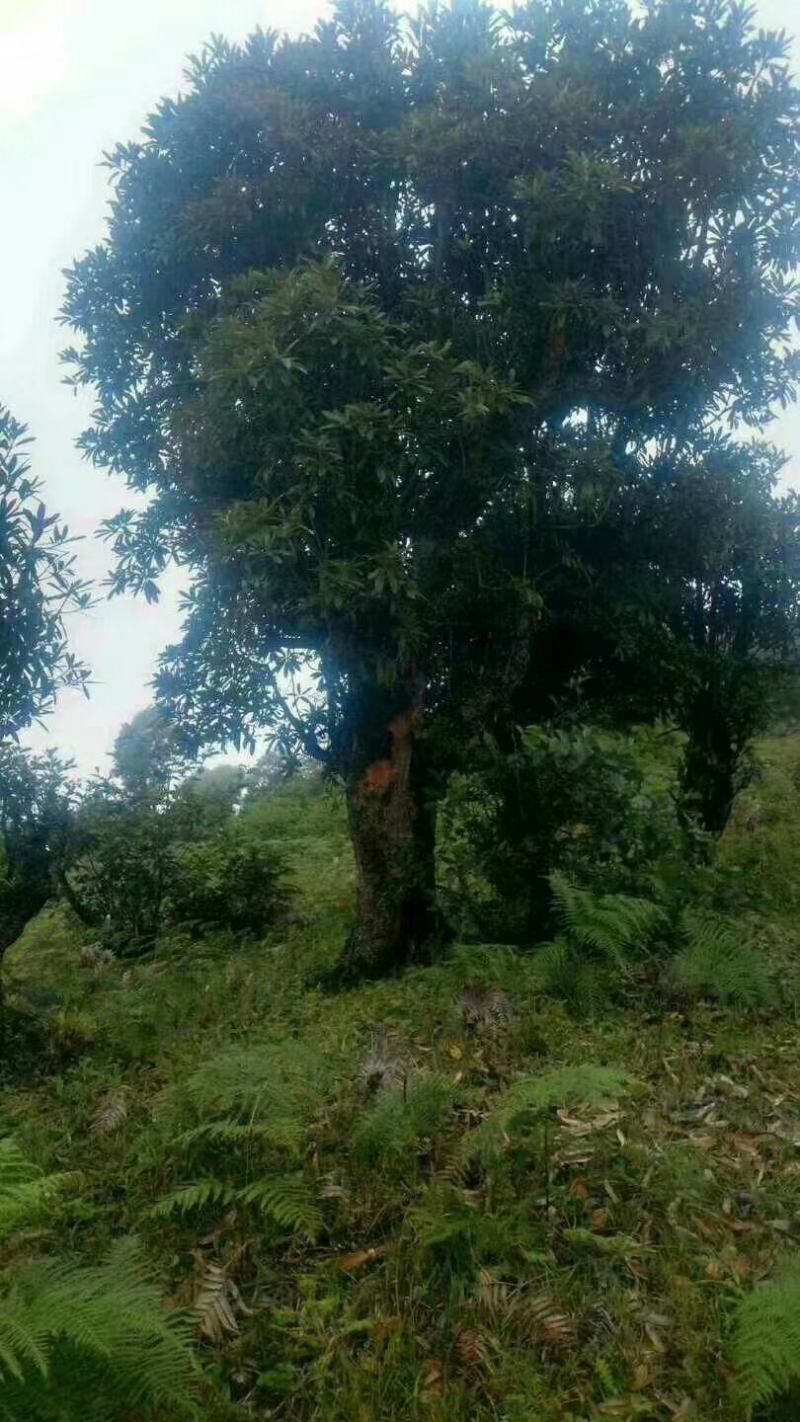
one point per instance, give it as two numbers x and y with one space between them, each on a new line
433 1378
641 1378
359 1258
600 1219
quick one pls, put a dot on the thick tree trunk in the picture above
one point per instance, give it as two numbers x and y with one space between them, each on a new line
392 827
713 763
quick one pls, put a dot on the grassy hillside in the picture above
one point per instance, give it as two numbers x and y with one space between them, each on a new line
437 1197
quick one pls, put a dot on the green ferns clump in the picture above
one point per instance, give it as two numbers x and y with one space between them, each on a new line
716 963
287 1200
585 1085
270 1093
78 1343
766 1346
599 934
402 1117
26 1193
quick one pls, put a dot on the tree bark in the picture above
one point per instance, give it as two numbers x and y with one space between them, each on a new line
392 828
73 900
713 763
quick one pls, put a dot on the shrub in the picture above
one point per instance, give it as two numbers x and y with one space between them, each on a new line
232 881
579 801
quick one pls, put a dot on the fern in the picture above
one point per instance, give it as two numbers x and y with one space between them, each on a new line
401 1118
607 925
766 1346
194 1196
289 1202
716 963
271 1091
561 973
288 1078
97 1338
26 1193
483 965
598 933
585 1085
285 1132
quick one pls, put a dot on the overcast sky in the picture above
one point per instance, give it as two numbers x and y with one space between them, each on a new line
77 76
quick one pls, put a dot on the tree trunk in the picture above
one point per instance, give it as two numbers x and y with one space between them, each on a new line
714 762
73 900
392 828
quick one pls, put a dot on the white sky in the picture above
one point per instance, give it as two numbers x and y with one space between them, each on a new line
76 77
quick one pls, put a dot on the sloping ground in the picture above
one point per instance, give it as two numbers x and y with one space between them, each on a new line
437 1197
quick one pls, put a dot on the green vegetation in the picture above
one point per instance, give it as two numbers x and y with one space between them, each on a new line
428 397
457 1194
441 1066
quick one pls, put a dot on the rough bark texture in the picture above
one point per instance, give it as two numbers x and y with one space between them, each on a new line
392 826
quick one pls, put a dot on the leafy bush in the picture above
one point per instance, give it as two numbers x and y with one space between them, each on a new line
120 872
233 881
579 801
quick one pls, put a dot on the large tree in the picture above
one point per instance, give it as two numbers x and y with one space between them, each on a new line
39 584
388 322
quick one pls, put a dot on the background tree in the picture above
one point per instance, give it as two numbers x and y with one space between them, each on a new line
388 322
37 795
679 600
39 584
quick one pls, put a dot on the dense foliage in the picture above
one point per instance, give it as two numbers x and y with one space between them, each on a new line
38 585
417 334
37 796
157 843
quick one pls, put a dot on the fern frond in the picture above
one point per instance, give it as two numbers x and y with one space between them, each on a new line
21 1345
561 972
111 1112
193 1196
401 1119
212 1304
609 925
766 1346
716 963
483 965
554 963
111 1315
288 1077
26 1193
282 1131
289 1202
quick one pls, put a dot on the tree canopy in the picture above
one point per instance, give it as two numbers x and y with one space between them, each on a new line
39 584
408 328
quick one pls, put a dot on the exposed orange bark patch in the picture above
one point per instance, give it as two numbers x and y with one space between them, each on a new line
377 778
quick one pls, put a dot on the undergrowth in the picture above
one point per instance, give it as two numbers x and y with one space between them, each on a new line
453 1195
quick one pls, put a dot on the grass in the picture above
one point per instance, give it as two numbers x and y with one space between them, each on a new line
435 1197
